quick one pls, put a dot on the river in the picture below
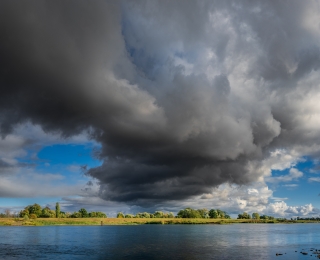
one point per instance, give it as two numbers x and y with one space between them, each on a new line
237 241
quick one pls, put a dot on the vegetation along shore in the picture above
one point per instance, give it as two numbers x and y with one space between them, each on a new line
34 215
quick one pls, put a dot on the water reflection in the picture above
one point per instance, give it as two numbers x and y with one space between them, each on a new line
241 241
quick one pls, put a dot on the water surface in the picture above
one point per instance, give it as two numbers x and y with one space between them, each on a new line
238 241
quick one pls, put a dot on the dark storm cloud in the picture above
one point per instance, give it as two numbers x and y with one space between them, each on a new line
182 95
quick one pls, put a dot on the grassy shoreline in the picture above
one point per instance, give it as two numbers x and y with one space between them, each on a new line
134 221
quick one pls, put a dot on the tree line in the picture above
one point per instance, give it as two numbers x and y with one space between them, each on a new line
35 211
184 213
157 214
254 215
202 213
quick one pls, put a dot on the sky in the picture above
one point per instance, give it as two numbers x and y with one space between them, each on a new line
160 105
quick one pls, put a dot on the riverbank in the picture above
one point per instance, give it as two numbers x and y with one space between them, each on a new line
133 221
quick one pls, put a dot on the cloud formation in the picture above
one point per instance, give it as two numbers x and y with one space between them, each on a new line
294 174
182 97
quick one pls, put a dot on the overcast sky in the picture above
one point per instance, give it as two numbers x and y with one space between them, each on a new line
144 105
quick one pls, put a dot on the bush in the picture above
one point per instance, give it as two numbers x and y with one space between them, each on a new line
76 215
33 216
97 214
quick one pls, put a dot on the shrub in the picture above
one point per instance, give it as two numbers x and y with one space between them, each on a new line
76 215
33 216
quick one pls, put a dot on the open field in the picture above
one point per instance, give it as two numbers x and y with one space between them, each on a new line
131 221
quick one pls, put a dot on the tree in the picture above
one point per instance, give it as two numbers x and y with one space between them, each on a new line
33 216
255 215
65 214
129 216
143 215
34 209
170 215
97 214
158 214
217 213
221 214
213 213
24 213
92 214
76 215
57 210
244 215
100 214
83 213
120 215
48 213
204 213
188 213
8 213
227 216
266 217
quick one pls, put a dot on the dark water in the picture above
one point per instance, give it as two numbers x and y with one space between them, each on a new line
240 241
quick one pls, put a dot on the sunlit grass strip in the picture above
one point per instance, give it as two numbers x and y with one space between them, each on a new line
133 221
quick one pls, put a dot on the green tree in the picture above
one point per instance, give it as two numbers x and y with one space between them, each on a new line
204 213
120 215
63 214
188 213
47 213
129 216
221 214
213 213
227 216
143 215
76 215
92 214
97 214
34 209
244 215
100 214
57 210
24 213
170 215
83 213
158 214
33 216
255 215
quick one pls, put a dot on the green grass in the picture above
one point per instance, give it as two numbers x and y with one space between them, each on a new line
132 221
